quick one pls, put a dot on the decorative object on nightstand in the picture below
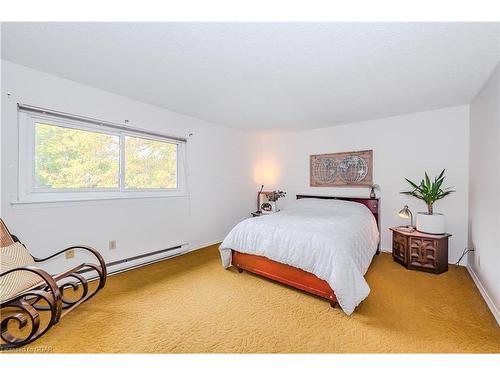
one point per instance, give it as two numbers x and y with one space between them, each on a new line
263 206
266 208
420 251
373 187
430 192
272 198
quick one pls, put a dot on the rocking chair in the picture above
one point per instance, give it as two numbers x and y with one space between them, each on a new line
27 290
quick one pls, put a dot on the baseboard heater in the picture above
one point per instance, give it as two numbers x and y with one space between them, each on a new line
147 255
126 260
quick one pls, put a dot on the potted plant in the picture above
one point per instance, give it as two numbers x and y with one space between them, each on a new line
430 192
273 197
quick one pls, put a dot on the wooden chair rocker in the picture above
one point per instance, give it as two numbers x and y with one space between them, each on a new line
35 299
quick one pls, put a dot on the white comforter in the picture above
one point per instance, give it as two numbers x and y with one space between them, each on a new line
333 239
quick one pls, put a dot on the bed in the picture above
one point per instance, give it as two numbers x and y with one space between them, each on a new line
319 244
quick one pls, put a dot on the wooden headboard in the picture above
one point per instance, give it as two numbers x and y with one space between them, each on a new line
371 203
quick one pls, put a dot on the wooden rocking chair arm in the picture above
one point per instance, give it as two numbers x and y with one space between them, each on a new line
87 248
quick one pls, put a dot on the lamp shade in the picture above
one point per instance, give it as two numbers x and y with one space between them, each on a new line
405 212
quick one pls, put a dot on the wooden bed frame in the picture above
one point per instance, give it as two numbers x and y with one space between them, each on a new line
293 276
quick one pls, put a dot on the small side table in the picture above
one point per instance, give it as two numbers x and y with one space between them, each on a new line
420 251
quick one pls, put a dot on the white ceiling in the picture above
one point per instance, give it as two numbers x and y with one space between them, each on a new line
268 75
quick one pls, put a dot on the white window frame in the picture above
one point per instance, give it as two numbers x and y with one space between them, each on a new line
28 193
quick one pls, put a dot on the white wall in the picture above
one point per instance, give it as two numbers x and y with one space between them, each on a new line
224 169
227 165
403 146
484 190
220 162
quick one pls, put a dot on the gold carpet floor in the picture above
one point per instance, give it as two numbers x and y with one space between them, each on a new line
190 304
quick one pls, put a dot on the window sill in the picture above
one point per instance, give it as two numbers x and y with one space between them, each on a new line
28 201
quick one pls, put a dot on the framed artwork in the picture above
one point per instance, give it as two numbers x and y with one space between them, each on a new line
354 168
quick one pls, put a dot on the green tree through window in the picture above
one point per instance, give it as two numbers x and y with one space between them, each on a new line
150 164
67 158
72 158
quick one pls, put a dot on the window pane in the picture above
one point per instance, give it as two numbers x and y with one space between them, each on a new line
70 158
150 164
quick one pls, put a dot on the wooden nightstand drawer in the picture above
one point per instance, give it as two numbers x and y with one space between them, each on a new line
420 251
399 247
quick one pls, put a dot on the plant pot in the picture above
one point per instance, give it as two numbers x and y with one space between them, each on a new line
275 206
432 224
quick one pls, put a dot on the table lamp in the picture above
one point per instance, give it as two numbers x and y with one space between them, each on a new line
258 199
405 213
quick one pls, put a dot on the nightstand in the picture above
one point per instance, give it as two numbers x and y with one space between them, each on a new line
420 251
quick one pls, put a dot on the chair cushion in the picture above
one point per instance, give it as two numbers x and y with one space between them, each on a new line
14 256
5 236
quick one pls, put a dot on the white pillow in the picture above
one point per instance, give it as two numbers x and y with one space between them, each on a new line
334 205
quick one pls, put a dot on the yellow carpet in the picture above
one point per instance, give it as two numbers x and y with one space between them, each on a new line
190 304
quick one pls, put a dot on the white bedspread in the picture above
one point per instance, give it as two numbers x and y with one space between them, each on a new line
333 239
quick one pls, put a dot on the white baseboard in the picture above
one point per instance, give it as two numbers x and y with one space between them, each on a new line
202 245
484 293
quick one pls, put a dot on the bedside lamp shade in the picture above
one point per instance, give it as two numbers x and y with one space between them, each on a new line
405 213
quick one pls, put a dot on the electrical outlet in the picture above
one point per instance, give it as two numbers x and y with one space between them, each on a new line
70 254
112 244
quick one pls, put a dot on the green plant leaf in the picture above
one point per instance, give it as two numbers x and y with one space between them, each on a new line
412 183
427 181
429 191
441 175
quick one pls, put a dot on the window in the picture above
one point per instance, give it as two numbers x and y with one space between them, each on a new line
150 164
68 159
